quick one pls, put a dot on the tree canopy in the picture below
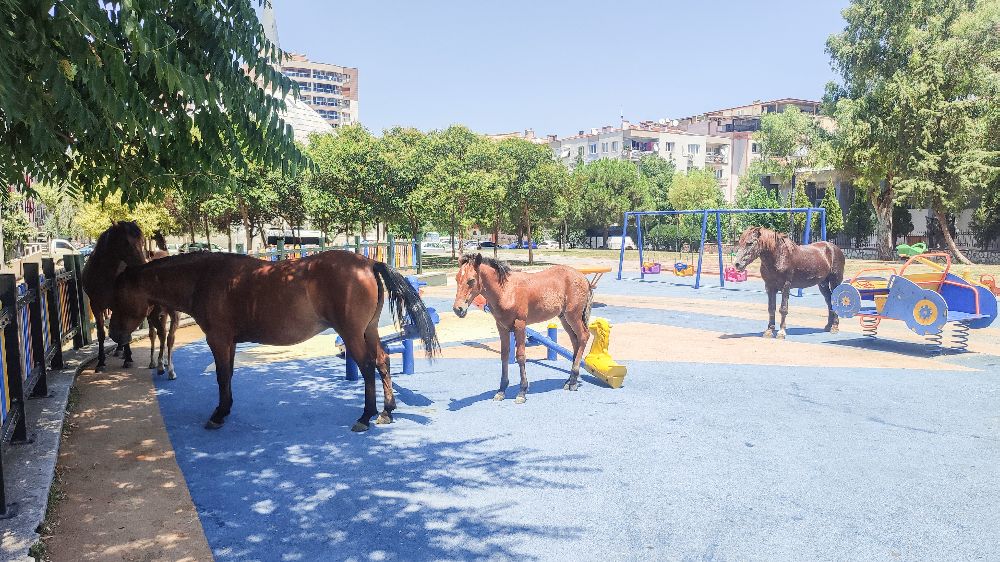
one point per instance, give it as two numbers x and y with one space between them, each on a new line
137 97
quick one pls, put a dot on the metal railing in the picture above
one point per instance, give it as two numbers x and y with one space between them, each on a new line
37 318
400 254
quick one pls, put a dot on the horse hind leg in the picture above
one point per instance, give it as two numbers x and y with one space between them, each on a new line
784 310
578 335
175 319
832 322
152 345
520 338
382 365
357 347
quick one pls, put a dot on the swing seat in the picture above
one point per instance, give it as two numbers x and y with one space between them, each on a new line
650 268
735 275
682 269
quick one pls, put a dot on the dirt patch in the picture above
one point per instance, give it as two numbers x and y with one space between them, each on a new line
123 497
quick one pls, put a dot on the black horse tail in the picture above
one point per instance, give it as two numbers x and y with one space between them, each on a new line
406 302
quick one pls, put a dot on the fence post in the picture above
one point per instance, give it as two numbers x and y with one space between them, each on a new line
82 301
55 314
15 381
390 249
33 281
73 297
280 243
357 244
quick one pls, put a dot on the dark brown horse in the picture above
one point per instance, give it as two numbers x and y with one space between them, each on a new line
157 321
117 247
517 299
784 265
236 298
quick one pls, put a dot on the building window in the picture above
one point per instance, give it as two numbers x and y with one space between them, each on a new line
753 148
331 102
327 114
718 173
298 73
327 88
614 146
694 149
604 147
579 151
670 147
593 148
304 86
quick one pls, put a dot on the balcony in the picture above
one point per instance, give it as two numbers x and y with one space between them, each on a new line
716 158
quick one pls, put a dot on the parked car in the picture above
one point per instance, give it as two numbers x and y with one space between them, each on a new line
192 247
59 248
549 245
86 250
615 243
173 249
523 246
487 244
434 248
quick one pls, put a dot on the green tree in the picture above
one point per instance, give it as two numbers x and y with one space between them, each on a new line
660 174
533 183
96 216
608 188
752 195
15 226
349 166
137 97
860 218
834 214
696 189
902 222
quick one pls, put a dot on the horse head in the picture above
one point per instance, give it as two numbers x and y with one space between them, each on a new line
467 282
131 306
123 241
748 247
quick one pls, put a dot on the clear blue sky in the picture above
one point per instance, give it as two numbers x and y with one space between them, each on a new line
558 66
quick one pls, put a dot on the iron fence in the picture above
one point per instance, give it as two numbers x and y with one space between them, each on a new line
37 318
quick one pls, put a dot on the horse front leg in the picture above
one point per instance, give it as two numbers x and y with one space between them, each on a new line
520 337
504 361
772 304
99 320
224 352
171 336
127 355
784 309
578 335
152 343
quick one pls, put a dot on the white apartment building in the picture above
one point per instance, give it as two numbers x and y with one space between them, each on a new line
632 141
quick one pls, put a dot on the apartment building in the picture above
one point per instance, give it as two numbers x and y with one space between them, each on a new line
331 90
631 142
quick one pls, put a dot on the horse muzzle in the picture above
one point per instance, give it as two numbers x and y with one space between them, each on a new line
460 311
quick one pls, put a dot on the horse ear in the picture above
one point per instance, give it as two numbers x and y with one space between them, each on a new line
479 260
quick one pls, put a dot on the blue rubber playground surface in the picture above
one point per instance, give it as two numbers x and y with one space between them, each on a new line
722 454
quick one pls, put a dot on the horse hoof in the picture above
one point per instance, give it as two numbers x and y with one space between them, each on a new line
383 418
358 427
520 400
834 329
781 335
498 397
126 365
768 334
171 376
213 425
573 386
99 369
151 367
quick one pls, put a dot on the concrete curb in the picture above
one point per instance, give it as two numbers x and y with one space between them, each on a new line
30 467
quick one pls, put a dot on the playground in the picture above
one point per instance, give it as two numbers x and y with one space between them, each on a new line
718 445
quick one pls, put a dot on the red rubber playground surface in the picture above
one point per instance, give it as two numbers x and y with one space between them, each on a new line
720 445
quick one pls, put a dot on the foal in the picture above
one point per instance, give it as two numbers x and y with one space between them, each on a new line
517 299
157 320
784 265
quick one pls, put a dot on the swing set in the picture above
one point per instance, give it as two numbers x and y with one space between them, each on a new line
683 269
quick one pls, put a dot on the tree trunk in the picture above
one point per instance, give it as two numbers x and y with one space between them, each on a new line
527 222
948 239
496 237
882 201
453 235
229 238
191 230
564 243
208 234
606 235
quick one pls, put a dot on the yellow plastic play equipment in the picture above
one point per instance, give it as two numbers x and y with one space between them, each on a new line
599 362
682 269
596 270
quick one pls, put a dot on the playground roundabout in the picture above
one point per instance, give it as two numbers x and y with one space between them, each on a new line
719 445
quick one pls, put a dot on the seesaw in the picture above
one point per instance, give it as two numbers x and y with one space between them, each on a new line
925 301
401 342
597 362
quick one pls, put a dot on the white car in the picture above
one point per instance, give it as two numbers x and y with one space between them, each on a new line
434 248
59 248
548 245
615 243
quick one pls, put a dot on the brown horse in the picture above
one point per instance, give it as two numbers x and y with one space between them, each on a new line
517 299
236 298
157 321
117 247
784 265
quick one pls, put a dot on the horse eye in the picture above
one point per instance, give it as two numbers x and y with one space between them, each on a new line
471 282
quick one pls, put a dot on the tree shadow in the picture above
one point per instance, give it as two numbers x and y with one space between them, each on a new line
911 349
285 479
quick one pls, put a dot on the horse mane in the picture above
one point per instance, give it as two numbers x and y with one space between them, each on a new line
777 243
501 267
101 246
